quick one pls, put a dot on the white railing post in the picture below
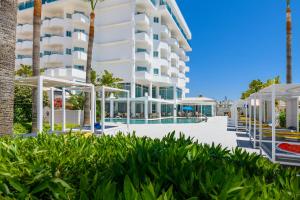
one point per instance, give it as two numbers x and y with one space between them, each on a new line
254 118
92 94
273 123
52 109
40 104
260 120
63 109
102 109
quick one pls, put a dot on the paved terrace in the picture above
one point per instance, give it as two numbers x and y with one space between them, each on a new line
212 131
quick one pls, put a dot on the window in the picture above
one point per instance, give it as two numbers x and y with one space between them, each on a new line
141 90
80 67
166 92
155 54
155 37
78 49
141 69
141 50
79 30
69 51
125 86
156 71
154 95
68 15
68 33
153 108
156 20
179 93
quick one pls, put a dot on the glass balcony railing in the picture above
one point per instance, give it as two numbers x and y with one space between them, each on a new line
153 2
30 4
164 2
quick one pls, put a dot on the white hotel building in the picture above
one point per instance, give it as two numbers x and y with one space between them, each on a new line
144 42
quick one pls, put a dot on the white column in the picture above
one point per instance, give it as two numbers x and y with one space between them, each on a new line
150 95
201 108
146 110
40 104
246 116
273 123
297 114
111 108
92 94
159 107
254 118
63 110
128 110
52 109
260 120
250 118
103 109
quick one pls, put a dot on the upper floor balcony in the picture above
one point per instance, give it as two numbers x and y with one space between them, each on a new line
24 60
79 57
147 3
55 59
66 73
55 40
142 19
53 22
24 45
173 42
187 90
24 29
165 31
80 18
142 36
80 38
187 69
142 56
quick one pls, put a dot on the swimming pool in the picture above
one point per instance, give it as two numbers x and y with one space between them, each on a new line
172 120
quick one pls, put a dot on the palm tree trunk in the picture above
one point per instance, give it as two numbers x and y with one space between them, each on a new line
288 44
8 22
87 103
37 12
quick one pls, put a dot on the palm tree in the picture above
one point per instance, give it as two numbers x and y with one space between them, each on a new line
288 43
37 13
87 103
8 22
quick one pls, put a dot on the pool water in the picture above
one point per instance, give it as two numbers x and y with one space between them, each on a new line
172 120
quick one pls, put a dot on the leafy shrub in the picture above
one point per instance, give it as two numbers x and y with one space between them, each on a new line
282 119
127 167
22 128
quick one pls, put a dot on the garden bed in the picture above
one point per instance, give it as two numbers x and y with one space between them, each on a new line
77 166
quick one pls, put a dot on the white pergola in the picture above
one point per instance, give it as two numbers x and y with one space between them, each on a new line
235 114
265 101
45 83
102 90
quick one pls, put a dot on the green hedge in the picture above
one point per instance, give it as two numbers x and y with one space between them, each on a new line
128 167
22 128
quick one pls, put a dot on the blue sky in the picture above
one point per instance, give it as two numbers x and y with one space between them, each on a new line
236 41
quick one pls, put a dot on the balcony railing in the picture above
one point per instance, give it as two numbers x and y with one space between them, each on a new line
30 4
165 3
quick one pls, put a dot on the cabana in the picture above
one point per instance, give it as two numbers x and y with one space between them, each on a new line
102 90
238 118
45 83
280 144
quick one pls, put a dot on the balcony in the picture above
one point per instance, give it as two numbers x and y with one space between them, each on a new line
54 22
24 45
56 59
79 56
142 19
164 62
173 42
181 63
165 31
187 90
143 57
80 18
24 61
66 73
55 40
143 37
79 37
187 69
147 3
163 78
186 59
25 29
164 46
174 70
143 75
187 79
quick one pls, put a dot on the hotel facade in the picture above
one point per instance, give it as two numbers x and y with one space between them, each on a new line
143 42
